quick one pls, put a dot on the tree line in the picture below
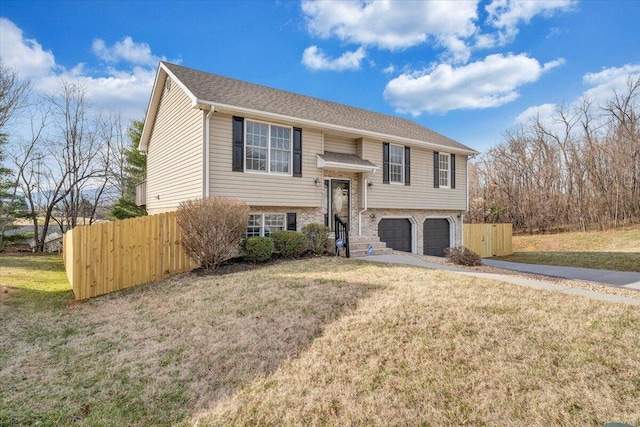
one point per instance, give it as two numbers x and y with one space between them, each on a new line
580 170
70 164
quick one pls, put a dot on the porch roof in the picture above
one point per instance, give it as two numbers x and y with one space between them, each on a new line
345 162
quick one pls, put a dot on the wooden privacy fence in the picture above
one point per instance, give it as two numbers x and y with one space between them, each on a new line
488 240
111 256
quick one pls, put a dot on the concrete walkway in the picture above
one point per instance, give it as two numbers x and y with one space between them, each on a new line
537 284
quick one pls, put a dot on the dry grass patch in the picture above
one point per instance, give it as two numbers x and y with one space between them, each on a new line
156 354
321 342
620 240
608 250
433 348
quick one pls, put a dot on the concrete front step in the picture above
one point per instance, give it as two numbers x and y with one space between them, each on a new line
358 253
365 245
359 246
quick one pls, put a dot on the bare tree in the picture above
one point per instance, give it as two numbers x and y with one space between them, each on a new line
63 169
579 170
14 97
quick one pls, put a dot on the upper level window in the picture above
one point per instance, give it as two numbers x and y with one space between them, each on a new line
444 169
268 148
396 163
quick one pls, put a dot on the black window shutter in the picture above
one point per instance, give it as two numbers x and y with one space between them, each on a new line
407 166
453 171
297 152
291 221
237 165
385 162
436 169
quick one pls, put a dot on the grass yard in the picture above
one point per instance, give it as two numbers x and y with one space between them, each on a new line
317 342
607 250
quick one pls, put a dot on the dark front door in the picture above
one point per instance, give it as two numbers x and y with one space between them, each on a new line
396 233
436 236
337 200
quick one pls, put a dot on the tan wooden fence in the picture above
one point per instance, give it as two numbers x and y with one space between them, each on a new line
111 256
488 240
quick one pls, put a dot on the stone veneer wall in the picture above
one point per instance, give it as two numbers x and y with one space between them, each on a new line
370 225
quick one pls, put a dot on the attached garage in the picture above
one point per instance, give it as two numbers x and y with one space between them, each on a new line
396 233
437 236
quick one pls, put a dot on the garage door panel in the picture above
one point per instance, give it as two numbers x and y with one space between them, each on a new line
436 236
396 233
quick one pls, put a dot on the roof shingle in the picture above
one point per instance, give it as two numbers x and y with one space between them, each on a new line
214 88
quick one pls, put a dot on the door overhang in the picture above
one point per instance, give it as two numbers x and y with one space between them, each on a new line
344 163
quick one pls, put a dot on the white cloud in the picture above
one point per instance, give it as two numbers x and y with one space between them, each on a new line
506 15
24 55
393 25
483 84
125 51
544 113
602 84
389 69
601 87
117 88
315 59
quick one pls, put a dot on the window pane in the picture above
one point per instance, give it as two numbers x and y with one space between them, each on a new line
256 159
256 155
444 170
254 226
396 163
257 134
280 149
273 223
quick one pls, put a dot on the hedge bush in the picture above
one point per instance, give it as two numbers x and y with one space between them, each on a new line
290 244
462 255
317 234
258 249
212 228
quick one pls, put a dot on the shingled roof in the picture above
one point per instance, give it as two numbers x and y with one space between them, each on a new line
218 90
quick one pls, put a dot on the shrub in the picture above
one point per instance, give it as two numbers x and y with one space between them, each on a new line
290 244
462 255
258 249
317 234
212 228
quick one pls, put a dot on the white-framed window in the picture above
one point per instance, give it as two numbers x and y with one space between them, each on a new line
444 167
396 164
261 224
268 148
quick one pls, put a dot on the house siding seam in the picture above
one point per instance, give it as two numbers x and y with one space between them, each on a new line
420 194
175 163
261 189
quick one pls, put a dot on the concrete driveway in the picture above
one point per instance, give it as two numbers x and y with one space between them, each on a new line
614 278
623 279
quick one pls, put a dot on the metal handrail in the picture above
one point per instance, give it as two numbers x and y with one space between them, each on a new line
341 229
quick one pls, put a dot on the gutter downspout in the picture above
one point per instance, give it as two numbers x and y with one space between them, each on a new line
207 151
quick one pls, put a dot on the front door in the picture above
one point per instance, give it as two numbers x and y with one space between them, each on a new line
337 200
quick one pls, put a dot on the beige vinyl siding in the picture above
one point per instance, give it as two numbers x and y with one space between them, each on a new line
175 154
338 144
261 189
420 194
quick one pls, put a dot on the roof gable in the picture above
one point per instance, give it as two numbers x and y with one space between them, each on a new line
212 89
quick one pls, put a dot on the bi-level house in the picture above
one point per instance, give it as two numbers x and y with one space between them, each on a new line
296 160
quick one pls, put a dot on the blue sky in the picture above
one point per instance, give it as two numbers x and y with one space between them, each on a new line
468 69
